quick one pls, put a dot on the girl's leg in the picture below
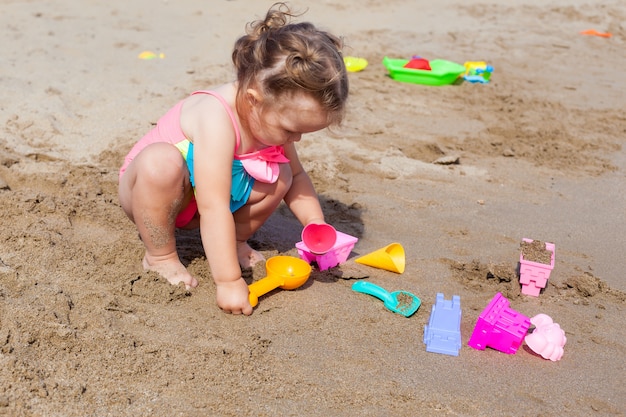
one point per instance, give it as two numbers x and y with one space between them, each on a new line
263 201
152 191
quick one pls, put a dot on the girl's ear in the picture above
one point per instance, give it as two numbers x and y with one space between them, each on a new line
254 97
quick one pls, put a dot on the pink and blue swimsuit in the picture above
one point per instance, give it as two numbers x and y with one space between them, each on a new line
261 165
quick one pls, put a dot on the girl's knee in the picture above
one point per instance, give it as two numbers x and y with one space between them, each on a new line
161 163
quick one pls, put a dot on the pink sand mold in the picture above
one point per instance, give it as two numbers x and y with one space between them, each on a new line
547 339
499 327
442 334
336 255
533 275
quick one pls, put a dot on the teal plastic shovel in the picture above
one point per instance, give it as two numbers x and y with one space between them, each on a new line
401 302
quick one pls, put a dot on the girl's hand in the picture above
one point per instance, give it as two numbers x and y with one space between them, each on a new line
232 297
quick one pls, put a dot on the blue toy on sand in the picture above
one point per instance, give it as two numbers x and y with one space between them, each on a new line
443 332
477 72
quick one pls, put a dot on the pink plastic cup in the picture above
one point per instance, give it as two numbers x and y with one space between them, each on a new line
319 238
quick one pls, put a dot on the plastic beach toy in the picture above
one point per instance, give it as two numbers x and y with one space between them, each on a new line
391 258
547 339
477 72
499 327
418 63
441 72
150 55
534 275
401 302
286 272
336 255
443 332
593 32
319 238
354 64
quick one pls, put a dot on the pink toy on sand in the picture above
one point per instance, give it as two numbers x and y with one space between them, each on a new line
499 327
319 238
547 339
336 255
533 275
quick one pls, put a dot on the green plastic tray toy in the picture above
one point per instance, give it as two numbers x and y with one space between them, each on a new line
442 72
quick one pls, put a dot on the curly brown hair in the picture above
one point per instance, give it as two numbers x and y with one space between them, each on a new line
279 57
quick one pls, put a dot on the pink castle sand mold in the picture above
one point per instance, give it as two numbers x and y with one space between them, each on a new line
533 275
499 327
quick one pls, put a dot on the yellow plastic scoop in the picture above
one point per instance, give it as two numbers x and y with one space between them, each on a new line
286 272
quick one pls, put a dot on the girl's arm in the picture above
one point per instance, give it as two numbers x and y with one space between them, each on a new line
301 198
209 127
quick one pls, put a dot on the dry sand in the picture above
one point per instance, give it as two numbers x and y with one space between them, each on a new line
85 332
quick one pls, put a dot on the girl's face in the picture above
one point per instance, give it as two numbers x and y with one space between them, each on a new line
286 119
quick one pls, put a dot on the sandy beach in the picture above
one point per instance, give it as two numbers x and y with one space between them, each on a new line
538 152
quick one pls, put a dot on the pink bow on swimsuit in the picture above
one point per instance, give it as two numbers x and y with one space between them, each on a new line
263 165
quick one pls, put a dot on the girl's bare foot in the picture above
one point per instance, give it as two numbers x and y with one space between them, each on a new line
170 268
247 256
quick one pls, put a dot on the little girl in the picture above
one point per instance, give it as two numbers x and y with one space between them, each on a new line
223 159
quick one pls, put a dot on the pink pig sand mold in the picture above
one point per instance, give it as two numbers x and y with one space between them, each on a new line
336 255
547 339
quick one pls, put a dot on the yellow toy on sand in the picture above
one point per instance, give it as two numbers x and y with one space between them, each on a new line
286 272
354 64
150 55
391 258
